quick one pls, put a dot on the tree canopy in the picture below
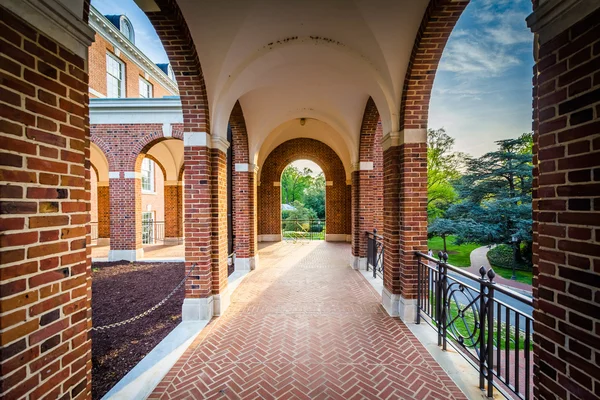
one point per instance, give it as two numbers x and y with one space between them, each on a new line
304 191
443 167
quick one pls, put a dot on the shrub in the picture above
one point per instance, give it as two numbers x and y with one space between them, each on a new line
502 256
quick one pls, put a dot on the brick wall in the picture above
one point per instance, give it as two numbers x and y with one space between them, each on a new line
368 184
269 206
177 41
436 27
45 290
97 70
103 211
567 214
244 227
173 214
219 220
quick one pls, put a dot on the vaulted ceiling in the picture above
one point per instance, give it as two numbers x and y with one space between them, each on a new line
315 59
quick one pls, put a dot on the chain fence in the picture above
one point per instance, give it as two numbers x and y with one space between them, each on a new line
147 312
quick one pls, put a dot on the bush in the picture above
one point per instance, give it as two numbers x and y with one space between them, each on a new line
502 256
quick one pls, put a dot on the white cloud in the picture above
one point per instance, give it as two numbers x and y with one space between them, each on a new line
466 56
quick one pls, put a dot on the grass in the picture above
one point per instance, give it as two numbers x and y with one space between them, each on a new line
466 324
459 256
522 276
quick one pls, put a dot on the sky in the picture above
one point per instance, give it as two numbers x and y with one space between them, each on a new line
482 90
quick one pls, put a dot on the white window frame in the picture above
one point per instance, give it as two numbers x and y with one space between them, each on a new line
151 179
122 94
150 89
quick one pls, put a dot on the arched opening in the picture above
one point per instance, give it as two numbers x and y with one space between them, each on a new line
337 207
160 214
99 202
303 201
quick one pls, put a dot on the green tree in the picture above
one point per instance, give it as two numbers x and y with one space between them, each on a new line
443 167
495 196
314 196
443 228
293 184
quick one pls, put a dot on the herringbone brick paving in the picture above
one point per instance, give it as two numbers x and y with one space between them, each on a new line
306 326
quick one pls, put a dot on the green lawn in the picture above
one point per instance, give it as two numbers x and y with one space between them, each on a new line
522 276
458 256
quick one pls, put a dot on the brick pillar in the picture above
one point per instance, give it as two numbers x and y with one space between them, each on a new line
45 276
205 218
566 204
180 209
173 215
103 213
220 290
244 216
363 211
125 216
405 218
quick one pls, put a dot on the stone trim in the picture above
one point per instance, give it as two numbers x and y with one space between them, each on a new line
246 167
552 17
57 21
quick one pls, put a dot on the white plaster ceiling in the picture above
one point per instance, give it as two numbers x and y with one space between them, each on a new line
170 155
287 59
99 161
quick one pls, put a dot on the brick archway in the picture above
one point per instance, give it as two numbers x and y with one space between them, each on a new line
269 203
367 183
243 193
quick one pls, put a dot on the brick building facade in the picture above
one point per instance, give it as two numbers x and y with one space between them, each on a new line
45 133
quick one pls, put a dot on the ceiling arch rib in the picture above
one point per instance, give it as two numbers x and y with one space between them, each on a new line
304 73
312 129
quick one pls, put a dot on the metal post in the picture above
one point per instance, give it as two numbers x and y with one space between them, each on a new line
418 289
482 338
490 334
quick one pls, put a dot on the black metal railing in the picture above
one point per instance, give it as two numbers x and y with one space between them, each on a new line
375 253
94 232
153 232
303 229
488 324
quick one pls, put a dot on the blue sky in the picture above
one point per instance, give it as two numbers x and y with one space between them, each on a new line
482 90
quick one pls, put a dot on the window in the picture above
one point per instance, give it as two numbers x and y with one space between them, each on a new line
145 89
115 77
127 29
148 175
147 227
170 73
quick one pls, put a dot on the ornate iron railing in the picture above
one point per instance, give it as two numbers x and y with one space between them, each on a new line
375 253
488 324
303 229
94 232
153 232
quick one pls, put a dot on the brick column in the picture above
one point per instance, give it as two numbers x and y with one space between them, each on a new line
103 213
405 218
205 218
363 211
173 214
566 200
45 274
125 216
221 294
244 216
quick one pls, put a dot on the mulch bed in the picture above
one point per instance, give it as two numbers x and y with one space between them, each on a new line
121 290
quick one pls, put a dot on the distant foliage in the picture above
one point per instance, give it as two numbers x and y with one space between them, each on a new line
493 198
503 256
303 191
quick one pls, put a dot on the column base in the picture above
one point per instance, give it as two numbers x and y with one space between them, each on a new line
246 264
103 242
173 241
197 309
359 263
335 237
126 255
221 302
348 238
398 306
270 238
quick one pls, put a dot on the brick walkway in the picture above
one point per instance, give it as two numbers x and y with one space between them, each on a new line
305 325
